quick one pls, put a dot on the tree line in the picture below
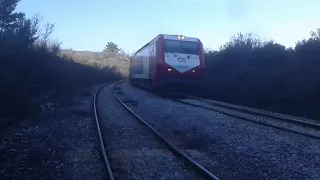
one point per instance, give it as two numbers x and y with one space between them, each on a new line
267 75
33 70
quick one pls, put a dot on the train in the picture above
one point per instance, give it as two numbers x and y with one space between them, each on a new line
168 63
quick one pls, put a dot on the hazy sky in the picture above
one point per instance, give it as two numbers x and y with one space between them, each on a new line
90 24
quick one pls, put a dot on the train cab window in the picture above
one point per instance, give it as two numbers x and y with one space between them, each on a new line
184 47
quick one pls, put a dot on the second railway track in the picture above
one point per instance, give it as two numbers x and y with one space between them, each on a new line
304 127
138 142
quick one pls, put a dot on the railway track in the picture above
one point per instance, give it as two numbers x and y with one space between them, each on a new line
176 151
301 126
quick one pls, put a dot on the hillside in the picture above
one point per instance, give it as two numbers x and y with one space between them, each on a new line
99 59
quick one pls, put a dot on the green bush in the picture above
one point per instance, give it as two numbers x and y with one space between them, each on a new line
266 75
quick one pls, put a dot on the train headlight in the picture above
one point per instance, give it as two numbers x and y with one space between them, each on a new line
180 37
169 69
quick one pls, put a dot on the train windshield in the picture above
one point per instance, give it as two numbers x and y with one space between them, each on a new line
183 47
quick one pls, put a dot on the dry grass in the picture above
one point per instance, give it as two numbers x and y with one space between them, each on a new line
99 59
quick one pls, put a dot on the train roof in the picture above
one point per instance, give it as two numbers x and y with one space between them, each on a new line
170 36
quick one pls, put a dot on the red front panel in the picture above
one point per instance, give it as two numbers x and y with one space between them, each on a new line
159 62
201 54
162 72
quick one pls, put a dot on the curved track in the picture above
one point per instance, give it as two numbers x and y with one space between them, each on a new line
262 113
254 112
172 148
102 146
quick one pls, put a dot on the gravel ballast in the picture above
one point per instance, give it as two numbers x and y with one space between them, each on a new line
133 150
313 132
60 143
230 148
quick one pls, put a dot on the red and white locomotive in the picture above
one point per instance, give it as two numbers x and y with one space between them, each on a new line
168 61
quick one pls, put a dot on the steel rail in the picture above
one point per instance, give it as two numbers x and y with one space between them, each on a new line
248 119
172 147
262 113
102 145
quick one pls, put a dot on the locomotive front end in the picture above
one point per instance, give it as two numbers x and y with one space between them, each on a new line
183 65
